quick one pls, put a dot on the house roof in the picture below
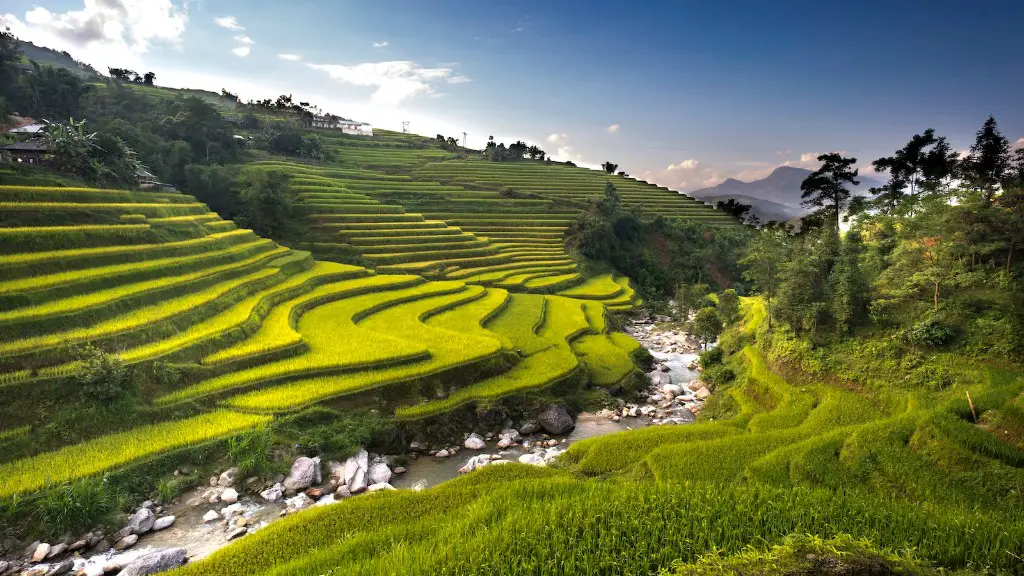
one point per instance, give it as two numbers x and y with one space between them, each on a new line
27 129
33 145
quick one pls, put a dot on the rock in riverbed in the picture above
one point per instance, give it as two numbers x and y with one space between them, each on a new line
303 474
155 562
475 442
556 420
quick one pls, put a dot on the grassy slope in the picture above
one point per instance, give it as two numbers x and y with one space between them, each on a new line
901 469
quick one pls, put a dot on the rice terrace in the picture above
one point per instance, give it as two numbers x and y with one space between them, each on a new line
244 336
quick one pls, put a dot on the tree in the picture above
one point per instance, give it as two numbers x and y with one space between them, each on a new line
149 78
825 188
846 290
609 167
268 200
764 255
729 306
69 145
989 160
610 202
733 208
517 150
688 298
925 162
706 326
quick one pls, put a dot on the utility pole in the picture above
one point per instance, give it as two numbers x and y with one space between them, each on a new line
405 126
463 139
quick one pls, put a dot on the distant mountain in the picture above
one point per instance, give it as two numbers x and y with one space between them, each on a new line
766 210
775 197
50 57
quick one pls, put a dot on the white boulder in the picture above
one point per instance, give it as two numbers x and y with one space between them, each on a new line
228 477
229 496
303 473
379 473
163 523
475 442
358 483
532 459
274 493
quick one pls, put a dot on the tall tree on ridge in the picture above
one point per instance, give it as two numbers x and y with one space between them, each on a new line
764 255
825 188
609 167
989 160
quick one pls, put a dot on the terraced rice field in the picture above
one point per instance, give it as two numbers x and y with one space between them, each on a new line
568 186
259 329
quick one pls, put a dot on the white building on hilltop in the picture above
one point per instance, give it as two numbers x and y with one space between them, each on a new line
332 122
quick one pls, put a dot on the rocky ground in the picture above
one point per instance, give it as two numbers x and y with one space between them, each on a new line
159 537
676 393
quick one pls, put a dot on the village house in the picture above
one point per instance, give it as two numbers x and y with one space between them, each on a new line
32 151
332 122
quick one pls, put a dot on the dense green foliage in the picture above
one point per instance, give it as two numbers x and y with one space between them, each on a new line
930 261
660 254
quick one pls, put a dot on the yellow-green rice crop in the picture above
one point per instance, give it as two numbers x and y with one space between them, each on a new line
82 257
600 287
519 322
607 364
40 282
336 343
280 329
543 522
103 297
119 449
550 281
136 319
447 349
237 316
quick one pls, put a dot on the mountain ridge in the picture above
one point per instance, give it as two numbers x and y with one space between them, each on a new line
774 197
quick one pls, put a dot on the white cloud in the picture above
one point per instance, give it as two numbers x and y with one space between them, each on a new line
290 57
104 32
383 44
242 51
394 81
244 40
612 129
688 164
458 79
229 22
692 174
517 29
808 160
558 138
1019 143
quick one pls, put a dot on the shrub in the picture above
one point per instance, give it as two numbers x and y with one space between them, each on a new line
643 358
103 377
931 332
322 431
74 507
709 358
717 375
250 451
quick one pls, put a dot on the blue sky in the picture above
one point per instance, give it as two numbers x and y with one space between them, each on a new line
682 93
